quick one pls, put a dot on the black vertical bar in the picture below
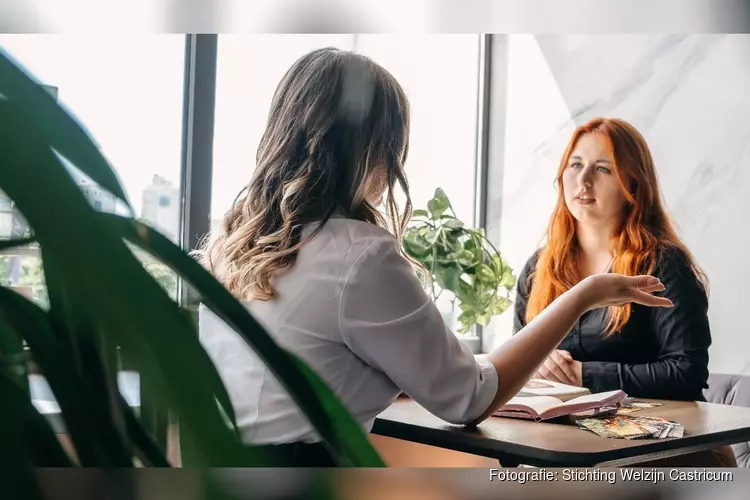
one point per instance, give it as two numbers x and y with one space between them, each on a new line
482 148
496 118
196 177
198 136
483 131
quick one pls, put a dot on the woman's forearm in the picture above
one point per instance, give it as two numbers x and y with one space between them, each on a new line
518 358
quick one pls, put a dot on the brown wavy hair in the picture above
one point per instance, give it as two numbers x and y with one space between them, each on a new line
643 232
337 130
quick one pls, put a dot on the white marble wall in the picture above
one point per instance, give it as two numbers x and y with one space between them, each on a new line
690 97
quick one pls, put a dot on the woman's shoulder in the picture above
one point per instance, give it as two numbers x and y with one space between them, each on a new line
672 259
357 232
353 240
676 265
525 276
530 265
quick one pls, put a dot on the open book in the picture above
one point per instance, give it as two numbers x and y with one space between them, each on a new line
541 387
546 407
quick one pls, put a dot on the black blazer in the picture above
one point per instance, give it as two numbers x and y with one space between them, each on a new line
660 353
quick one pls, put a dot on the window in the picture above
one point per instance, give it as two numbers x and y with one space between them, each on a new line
440 75
164 201
127 91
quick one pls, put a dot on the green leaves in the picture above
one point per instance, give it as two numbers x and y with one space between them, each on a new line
501 268
58 129
83 421
448 276
438 204
465 258
23 427
102 297
499 305
415 245
453 223
485 274
459 260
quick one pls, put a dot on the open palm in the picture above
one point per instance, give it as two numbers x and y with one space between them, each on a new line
610 289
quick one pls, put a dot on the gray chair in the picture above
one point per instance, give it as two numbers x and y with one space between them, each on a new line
731 390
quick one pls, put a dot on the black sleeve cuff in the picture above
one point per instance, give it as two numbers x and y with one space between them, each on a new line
600 376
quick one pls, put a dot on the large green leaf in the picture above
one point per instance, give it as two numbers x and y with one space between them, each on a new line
145 448
56 125
431 236
346 437
486 275
448 277
19 416
83 421
452 222
129 306
19 445
414 245
13 359
465 258
88 350
438 204
499 305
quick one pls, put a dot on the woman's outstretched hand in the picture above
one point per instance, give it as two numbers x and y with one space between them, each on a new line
609 289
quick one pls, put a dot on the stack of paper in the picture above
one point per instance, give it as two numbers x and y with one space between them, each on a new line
659 427
632 427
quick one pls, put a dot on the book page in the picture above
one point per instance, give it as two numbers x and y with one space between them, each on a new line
539 404
590 398
540 387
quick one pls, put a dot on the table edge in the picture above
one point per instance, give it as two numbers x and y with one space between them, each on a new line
494 448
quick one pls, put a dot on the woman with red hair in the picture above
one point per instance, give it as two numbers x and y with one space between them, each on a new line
610 217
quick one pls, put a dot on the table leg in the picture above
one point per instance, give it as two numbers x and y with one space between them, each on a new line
508 461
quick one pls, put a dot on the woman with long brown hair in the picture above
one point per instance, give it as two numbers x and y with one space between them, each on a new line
305 248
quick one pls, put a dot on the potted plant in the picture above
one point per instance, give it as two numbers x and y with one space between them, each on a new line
459 261
103 303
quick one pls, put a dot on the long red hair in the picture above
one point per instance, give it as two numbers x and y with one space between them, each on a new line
643 231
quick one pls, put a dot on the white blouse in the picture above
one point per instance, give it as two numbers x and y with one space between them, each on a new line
354 310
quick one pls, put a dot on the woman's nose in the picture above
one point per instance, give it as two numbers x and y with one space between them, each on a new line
585 178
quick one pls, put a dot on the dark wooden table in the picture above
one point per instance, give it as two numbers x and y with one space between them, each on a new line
563 443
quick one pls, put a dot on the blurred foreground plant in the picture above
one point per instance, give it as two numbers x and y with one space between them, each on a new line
102 301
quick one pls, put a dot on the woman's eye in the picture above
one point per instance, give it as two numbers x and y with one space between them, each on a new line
604 169
576 165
